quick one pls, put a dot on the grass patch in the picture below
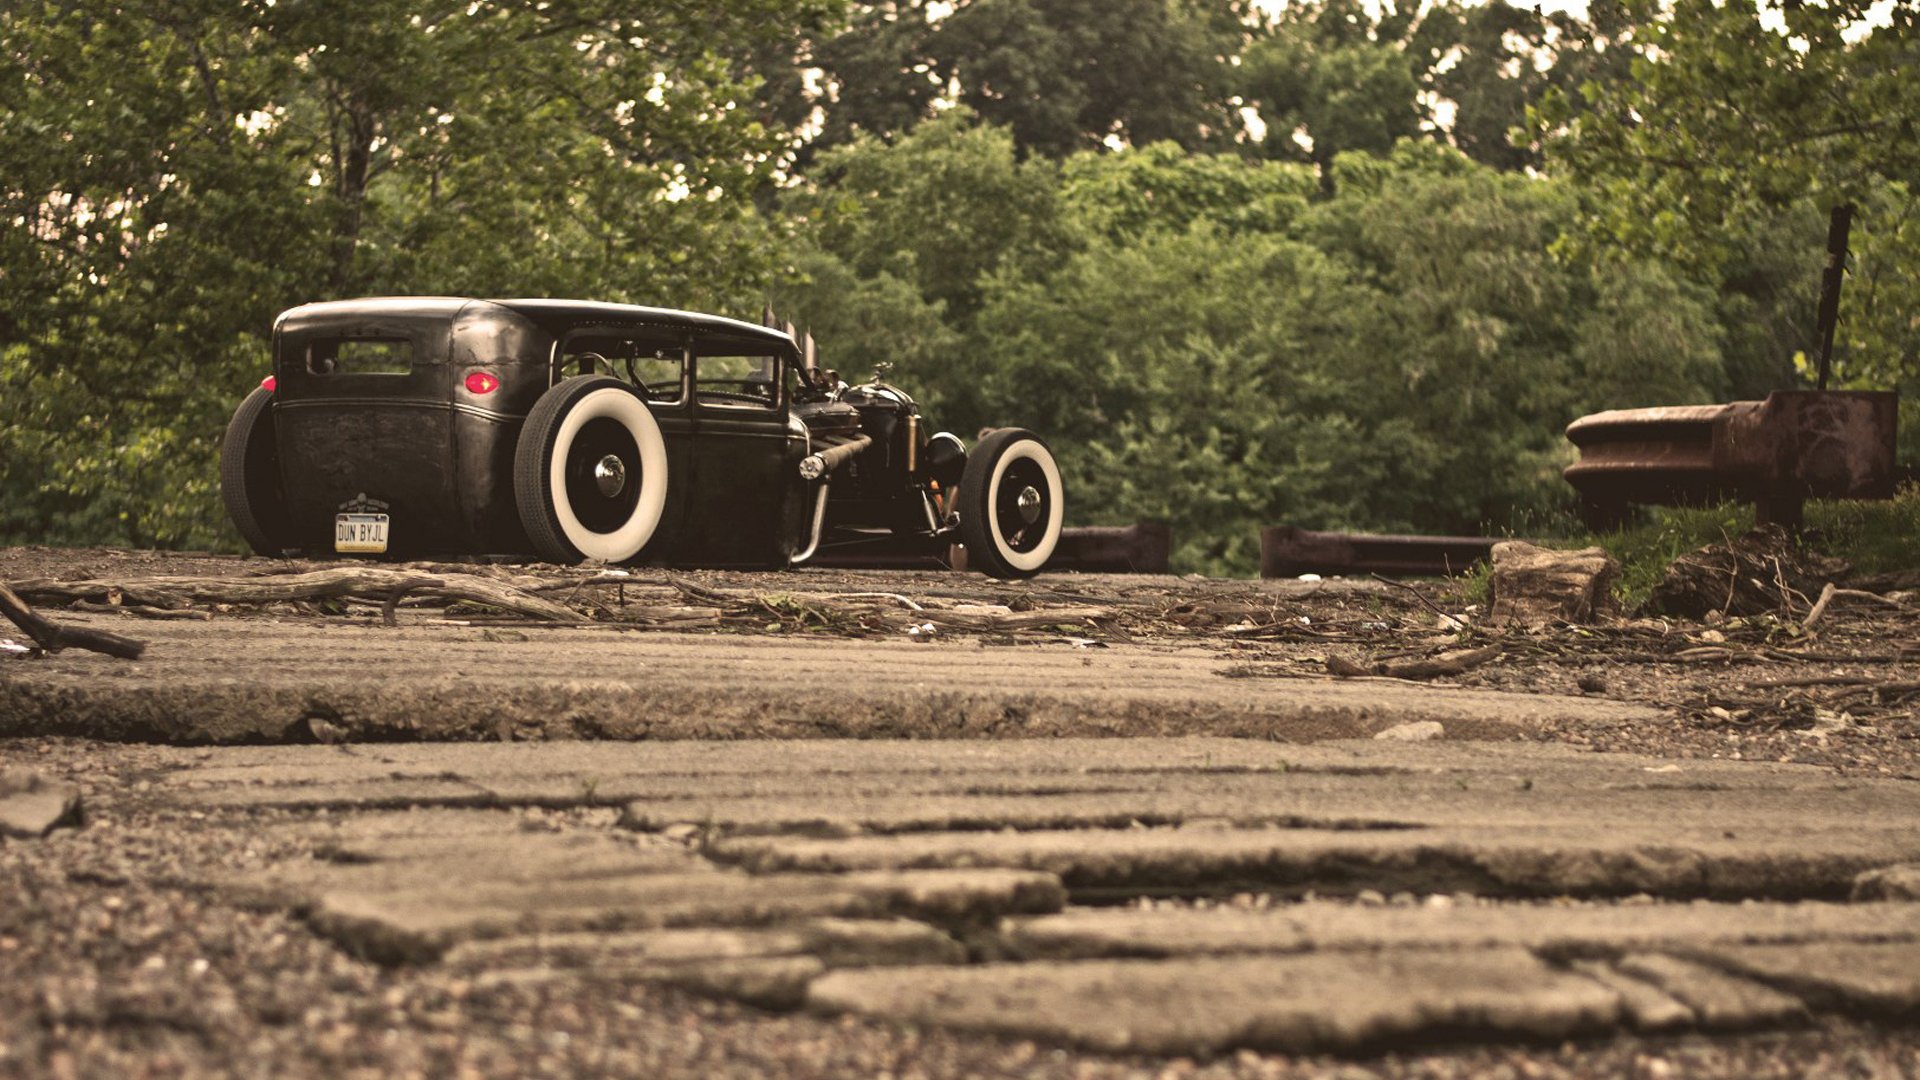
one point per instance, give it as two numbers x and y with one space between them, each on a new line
1878 537
1645 551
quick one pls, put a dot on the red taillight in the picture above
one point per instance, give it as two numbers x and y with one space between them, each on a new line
481 382
267 384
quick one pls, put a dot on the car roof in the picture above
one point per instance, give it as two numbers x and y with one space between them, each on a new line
553 315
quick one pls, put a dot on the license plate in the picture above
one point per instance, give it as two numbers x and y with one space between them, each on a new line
360 533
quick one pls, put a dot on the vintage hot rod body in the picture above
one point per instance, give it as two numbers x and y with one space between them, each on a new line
572 430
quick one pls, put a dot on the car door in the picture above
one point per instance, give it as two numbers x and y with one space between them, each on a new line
736 508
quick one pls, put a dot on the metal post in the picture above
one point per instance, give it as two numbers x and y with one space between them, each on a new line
1838 225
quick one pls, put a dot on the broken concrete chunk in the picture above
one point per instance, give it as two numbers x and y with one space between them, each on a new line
31 806
1881 977
1418 731
1718 1000
1533 586
963 894
1888 883
419 924
777 982
835 942
1297 1004
1647 1007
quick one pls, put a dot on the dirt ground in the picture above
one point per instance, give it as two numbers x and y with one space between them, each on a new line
113 963
1844 692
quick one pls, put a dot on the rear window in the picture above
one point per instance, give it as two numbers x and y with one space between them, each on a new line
360 356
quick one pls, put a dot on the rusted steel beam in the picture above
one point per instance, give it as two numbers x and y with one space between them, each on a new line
1287 551
1777 453
1143 548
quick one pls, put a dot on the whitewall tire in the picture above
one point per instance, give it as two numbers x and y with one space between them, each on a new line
1012 504
590 472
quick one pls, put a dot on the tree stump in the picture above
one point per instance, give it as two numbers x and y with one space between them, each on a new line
1533 586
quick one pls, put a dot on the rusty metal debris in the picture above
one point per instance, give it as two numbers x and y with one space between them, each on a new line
1142 548
1777 453
1287 551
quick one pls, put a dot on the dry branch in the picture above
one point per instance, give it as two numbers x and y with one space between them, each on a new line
364 582
53 637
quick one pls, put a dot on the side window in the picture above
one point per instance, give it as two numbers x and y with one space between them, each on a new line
360 356
656 371
747 382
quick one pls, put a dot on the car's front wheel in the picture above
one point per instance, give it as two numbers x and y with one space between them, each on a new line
1011 504
590 472
250 483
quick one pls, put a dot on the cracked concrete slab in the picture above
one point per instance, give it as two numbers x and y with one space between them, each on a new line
421 924
1311 1002
837 874
441 682
1559 930
1599 859
1876 977
835 942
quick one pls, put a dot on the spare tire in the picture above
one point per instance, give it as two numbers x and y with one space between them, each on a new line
250 483
590 472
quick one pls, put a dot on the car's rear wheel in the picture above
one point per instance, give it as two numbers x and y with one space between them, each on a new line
590 472
1011 504
250 483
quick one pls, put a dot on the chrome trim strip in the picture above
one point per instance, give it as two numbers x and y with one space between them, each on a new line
403 403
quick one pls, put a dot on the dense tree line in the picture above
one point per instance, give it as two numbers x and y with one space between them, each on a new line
1332 265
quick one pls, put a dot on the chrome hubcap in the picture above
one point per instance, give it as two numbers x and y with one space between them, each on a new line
1029 505
610 476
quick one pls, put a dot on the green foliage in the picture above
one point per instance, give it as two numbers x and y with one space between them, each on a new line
1328 78
1874 537
180 172
1121 197
1058 75
1735 113
1645 551
1204 343
941 209
1039 212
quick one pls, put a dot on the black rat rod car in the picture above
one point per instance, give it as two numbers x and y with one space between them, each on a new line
572 430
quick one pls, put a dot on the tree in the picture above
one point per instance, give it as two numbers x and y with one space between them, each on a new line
183 170
1736 113
941 209
1329 77
1491 62
1162 187
1060 75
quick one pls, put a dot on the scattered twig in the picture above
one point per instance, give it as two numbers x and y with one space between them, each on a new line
696 591
903 601
1451 663
1813 680
1819 606
53 637
1422 597
142 611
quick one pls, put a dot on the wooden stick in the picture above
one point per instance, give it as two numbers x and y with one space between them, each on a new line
53 637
